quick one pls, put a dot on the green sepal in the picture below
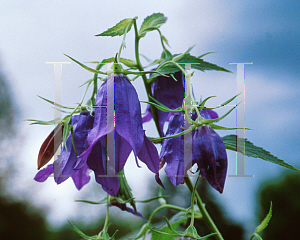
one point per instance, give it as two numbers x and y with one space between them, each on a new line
142 231
40 122
77 230
67 122
55 104
253 151
103 235
192 233
208 121
152 199
119 29
125 190
164 109
265 222
127 62
217 127
103 201
152 22
85 67
169 229
201 105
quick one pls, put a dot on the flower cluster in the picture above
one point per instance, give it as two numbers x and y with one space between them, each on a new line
91 139
124 125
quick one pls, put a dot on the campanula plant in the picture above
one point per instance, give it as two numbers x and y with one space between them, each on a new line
99 136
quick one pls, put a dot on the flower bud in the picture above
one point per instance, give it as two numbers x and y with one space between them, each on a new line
49 146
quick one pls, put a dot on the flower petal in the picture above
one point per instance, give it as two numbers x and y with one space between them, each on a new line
43 174
168 92
97 162
81 177
149 156
210 155
128 113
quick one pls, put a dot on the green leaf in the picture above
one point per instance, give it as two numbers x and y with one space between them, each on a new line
81 233
196 63
253 151
125 191
265 222
119 29
151 23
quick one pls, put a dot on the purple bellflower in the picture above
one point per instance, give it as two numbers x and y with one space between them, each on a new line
208 152
64 166
168 92
127 131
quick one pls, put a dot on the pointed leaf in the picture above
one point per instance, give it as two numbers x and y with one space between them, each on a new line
253 151
265 222
84 66
81 233
118 29
151 23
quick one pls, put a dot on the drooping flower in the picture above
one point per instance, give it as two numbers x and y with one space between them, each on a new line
64 166
118 93
168 92
208 152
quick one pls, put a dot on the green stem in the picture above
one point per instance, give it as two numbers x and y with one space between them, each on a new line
95 83
193 202
147 85
205 215
162 207
107 214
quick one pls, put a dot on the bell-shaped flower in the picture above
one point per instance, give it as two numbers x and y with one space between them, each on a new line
208 152
64 166
168 92
117 130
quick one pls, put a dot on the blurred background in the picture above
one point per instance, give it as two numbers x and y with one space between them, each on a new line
263 32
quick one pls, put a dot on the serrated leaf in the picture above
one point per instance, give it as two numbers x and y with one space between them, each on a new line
253 151
151 23
265 222
119 29
196 63
77 230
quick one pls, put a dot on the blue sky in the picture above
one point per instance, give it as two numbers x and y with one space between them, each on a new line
263 32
